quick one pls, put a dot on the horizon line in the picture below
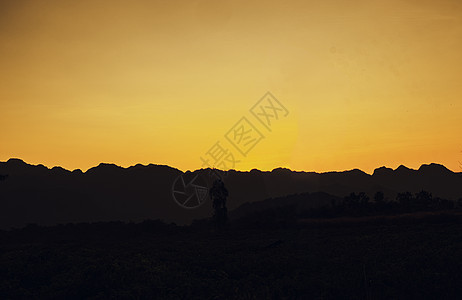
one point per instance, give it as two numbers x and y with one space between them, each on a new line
242 171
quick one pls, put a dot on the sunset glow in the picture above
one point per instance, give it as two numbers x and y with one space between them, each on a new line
366 83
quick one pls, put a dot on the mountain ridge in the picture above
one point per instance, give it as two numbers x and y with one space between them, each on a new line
404 168
107 192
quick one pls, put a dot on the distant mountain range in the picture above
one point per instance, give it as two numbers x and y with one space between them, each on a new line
37 194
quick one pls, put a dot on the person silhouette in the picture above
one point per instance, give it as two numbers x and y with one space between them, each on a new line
218 194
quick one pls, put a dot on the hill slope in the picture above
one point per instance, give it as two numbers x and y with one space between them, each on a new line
36 194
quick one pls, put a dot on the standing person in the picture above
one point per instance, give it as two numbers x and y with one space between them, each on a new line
219 193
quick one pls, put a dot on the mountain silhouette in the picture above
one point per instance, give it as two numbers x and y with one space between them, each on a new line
107 192
299 203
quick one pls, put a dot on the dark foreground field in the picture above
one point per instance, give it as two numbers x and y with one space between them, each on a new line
408 258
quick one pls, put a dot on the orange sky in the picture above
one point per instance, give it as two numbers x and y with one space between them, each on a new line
366 83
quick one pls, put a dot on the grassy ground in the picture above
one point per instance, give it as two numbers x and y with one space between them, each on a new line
418 258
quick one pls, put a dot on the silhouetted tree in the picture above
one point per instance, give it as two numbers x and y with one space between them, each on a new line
351 200
218 194
443 203
379 197
405 199
423 200
379 205
363 199
459 203
356 204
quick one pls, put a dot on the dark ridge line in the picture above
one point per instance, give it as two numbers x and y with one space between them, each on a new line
400 168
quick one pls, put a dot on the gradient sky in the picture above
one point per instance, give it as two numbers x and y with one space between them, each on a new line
366 83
